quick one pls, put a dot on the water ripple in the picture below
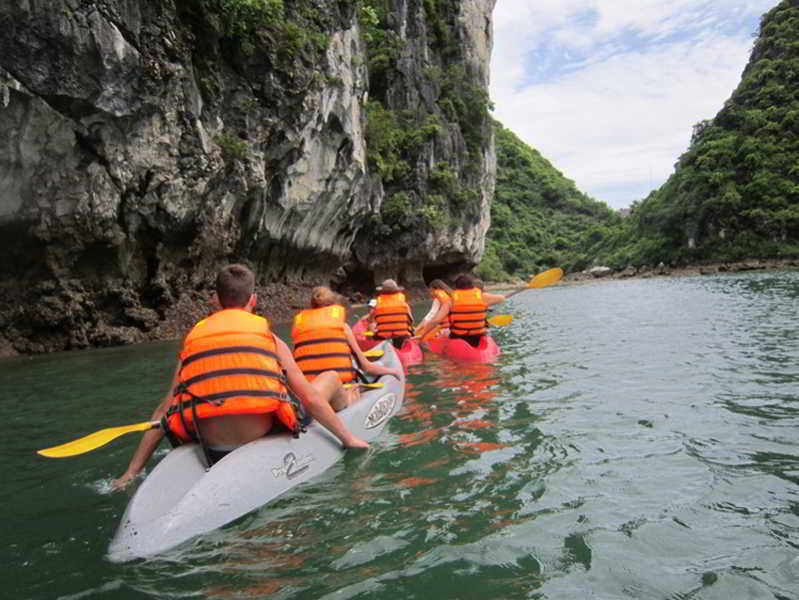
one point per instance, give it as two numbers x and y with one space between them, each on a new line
635 439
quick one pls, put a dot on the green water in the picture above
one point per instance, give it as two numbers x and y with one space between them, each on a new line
636 439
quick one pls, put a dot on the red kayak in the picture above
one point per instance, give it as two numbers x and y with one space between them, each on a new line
365 342
462 350
410 353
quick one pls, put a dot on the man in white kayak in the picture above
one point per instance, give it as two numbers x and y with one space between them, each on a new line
233 379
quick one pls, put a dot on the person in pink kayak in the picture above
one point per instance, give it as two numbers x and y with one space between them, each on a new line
468 312
435 321
393 314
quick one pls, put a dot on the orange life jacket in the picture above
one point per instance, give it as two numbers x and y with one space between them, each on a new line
467 316
441 296
393 316
320 344
228 366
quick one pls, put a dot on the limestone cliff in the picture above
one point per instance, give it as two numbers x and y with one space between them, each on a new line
147 143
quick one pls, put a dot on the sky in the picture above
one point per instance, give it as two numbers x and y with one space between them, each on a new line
609 90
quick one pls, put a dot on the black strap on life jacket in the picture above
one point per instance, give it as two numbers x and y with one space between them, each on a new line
302 416
193 433
225 373
324 355
363 377
337 370
196 423
341 340
306 357
227 350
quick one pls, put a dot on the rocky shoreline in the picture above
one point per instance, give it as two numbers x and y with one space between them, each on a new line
68 317
662 270
597 274
278 302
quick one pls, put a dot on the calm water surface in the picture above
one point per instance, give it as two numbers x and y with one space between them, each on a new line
637 439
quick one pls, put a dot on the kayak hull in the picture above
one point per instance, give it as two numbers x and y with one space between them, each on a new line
180 499
410 353
458 349
365 343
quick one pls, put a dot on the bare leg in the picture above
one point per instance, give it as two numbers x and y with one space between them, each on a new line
345 397
328 386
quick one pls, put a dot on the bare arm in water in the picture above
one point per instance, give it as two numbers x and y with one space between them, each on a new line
316 396
438 319
365 363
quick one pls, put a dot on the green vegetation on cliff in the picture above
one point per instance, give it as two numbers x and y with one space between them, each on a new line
239 29
403 133
735 191
538 217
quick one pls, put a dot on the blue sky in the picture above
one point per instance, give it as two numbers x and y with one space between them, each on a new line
608 90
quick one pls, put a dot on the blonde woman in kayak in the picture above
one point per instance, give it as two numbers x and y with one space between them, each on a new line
324 342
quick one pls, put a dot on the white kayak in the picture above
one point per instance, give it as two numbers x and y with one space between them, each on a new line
180 499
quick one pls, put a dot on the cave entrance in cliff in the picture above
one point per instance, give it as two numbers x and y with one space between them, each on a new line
444 272
359 285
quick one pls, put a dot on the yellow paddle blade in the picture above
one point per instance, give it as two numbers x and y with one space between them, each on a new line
364 385
432 333
546 278
500 320
368 334
376 353
94 440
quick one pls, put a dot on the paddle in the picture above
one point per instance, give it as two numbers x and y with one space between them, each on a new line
365 385
496 321
432 333
100 438
500 320
94 440
541 280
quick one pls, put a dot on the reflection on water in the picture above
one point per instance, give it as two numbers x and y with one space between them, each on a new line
635 439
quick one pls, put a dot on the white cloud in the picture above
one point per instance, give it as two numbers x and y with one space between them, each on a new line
609 90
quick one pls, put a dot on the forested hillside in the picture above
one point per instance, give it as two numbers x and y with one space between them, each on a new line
735 191
539 219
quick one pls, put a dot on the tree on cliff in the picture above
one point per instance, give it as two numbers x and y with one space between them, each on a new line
735 191
539 219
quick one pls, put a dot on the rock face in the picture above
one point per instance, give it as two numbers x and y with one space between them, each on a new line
439 75
147 143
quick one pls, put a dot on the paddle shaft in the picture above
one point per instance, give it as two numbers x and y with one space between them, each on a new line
364 384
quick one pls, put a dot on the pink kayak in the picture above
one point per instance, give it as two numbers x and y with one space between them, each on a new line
365 342
410 353
462 350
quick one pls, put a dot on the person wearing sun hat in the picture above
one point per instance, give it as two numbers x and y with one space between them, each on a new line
392 313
